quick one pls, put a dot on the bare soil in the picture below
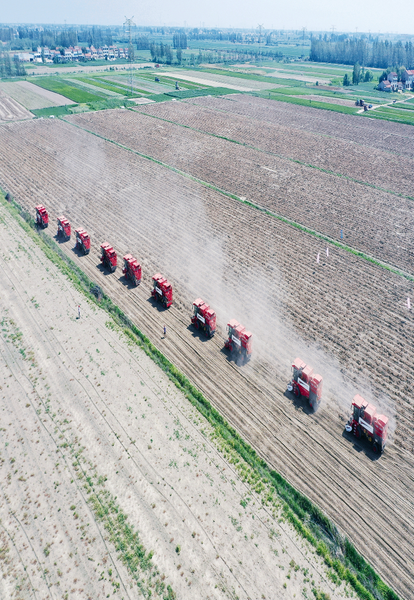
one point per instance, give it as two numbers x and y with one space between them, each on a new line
79 404
32 96
346 317
10 110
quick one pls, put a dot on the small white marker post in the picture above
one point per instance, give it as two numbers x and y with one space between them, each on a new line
408 304
327 251
317 258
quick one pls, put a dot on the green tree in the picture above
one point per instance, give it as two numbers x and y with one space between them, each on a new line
179 53
346 80
356 74
368 76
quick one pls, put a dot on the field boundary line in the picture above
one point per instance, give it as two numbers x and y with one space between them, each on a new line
338 553
286 220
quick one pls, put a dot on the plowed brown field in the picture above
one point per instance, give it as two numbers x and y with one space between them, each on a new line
373 221
345 315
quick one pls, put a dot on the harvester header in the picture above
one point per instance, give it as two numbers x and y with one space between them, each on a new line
132 269
42 217
108 257
305 383
162 290
239 340
204 317
364 421
64 229
83 241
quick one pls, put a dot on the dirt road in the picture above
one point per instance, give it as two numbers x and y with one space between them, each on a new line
346 315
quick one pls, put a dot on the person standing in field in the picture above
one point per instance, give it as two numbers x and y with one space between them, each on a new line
78 311
165 331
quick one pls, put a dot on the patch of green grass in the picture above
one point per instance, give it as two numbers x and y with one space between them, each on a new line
273 95
98 83
308 520
220 91
60 86
56 111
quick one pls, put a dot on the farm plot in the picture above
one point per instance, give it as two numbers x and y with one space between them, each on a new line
372 220
10 110
218 80
391 137
356 161
339 101
67 89
344 316
84 406
31 96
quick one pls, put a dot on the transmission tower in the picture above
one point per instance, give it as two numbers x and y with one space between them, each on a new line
129 23
304 29
260 28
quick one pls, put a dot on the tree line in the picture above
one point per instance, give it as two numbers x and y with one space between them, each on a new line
11 68
381 54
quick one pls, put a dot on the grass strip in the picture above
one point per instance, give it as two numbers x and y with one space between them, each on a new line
349 110
286 220
60 86
219 91
53 110
307 519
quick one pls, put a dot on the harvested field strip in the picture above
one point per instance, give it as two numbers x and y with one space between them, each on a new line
125 125
352 309
338 157
119 86
307 519
91 83
60 86
300 162
311 103
383 136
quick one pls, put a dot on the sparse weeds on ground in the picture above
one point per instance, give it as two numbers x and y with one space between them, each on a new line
307 519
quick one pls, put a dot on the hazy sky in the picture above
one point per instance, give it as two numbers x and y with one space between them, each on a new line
349 15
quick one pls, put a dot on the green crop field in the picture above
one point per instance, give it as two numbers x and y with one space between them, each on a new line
60 86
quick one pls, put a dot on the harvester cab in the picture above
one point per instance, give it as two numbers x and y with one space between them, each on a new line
108 257
239 340
42 217
305 383
83 241
132 269
204 317
162 290
364 421
64 229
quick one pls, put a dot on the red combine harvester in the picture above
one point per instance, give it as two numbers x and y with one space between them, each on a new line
132 269
239 341
203 317
364 421
108 257
64 229
162 290
42 218
83 241
305 383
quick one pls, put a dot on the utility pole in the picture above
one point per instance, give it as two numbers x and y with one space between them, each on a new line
129 23
304 29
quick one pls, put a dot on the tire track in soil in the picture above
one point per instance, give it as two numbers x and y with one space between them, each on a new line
257 388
